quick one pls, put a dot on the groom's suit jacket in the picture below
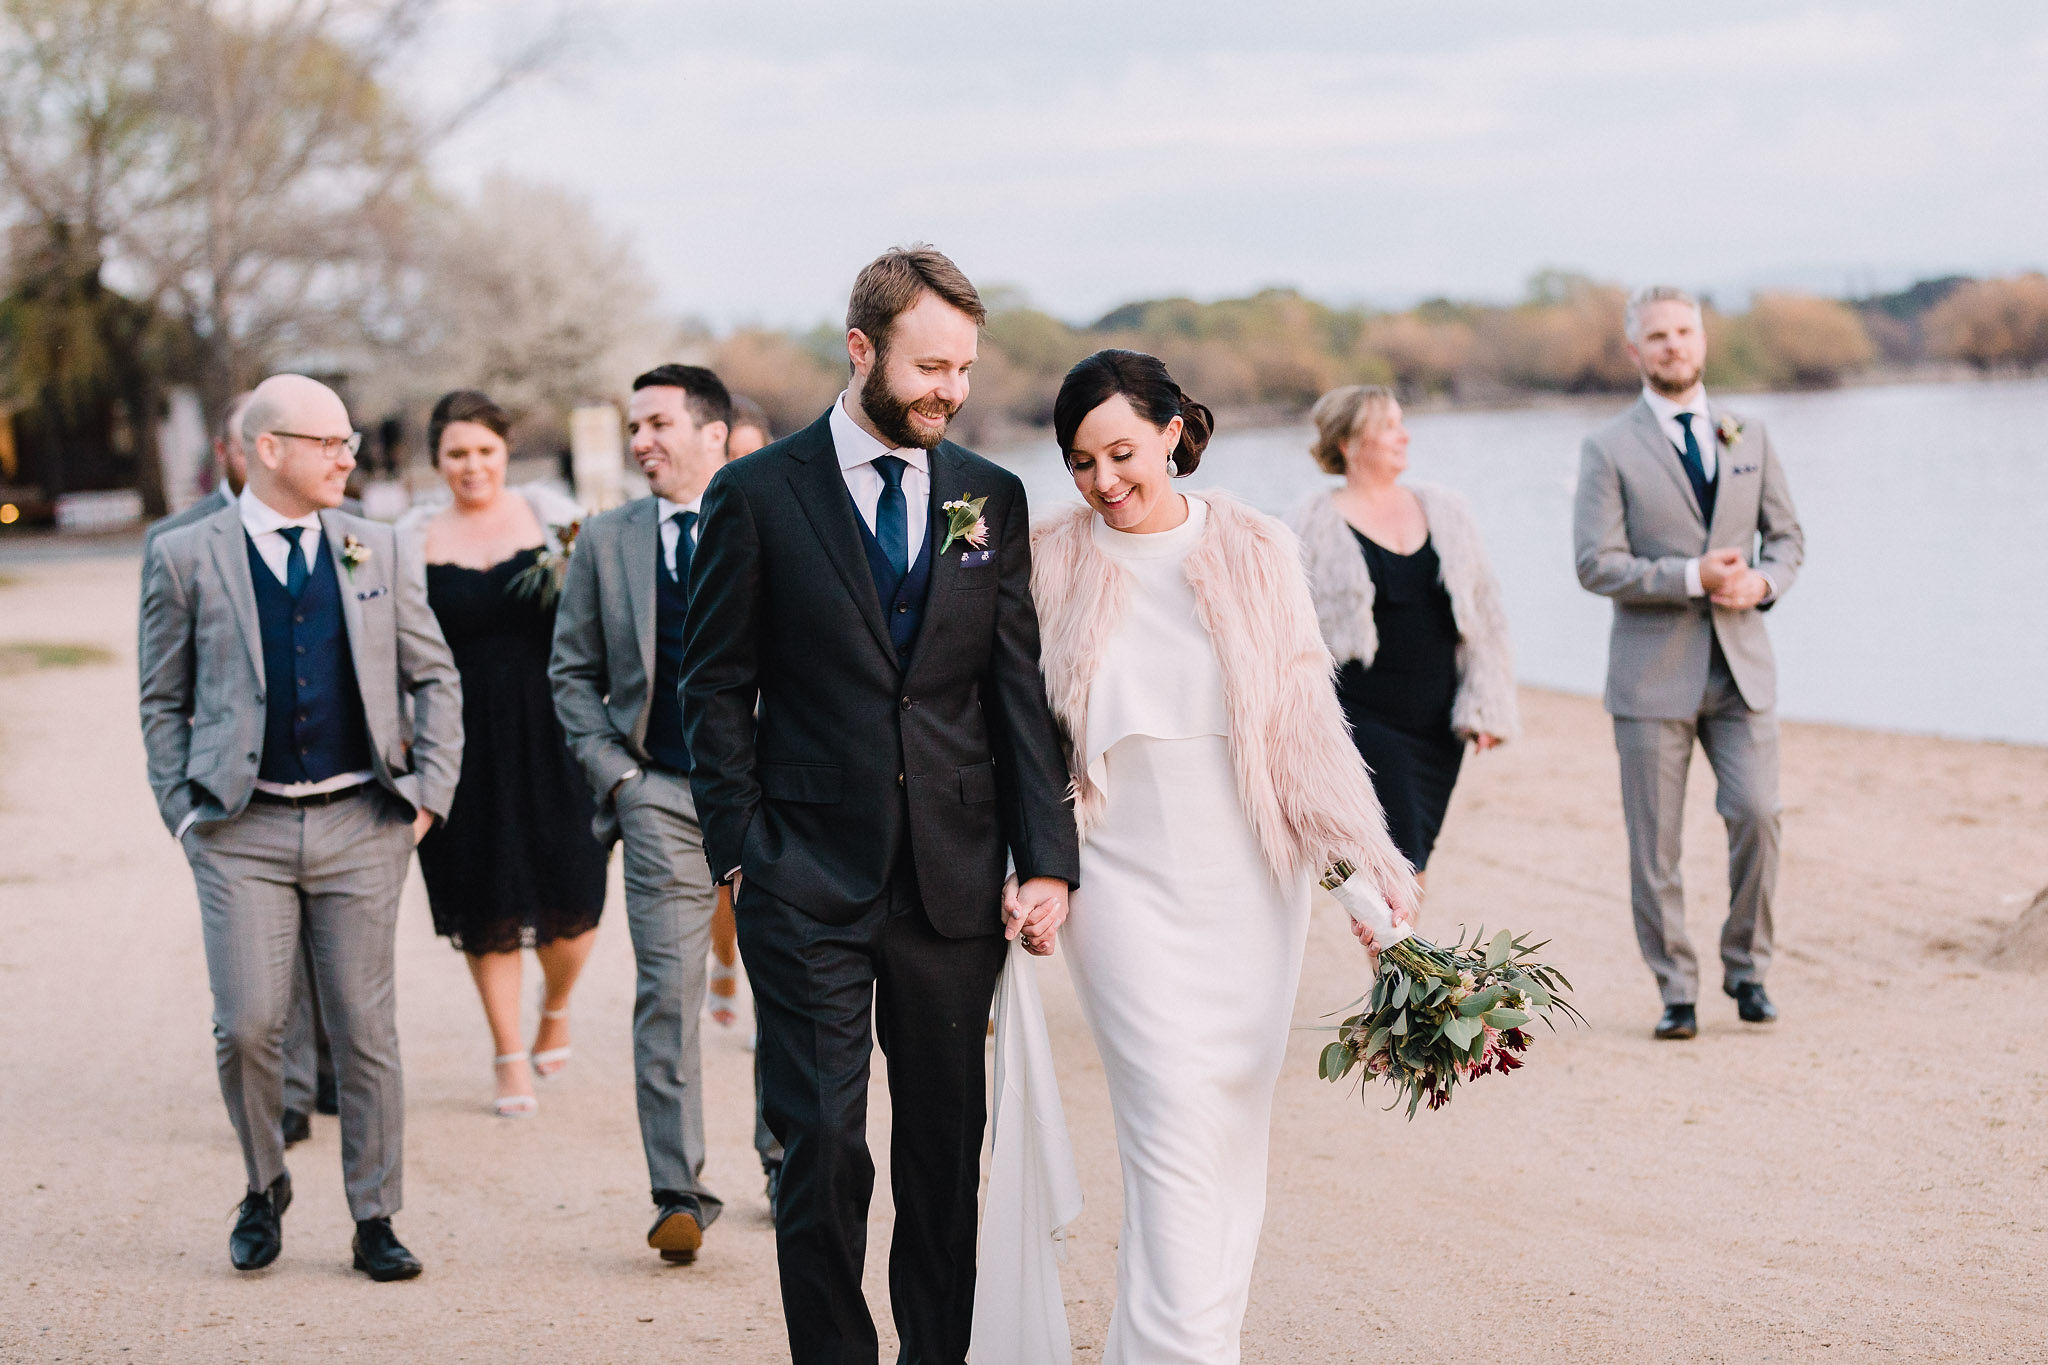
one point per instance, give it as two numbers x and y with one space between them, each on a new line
855 754
1636 523
201 663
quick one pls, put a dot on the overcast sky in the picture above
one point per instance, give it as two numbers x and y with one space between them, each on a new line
1089 152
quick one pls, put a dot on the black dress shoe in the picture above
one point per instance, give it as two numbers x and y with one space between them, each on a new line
297 1127
1751 1003
774 1174
259 1226
379 1253
325 1100
678 1228
1678 1021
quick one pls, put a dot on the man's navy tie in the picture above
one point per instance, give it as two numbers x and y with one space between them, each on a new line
685 522
892 518
1696 469
295 571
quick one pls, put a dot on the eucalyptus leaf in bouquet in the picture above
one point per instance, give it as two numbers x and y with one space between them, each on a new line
1437 1016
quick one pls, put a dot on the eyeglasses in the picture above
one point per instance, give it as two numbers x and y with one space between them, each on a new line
330 446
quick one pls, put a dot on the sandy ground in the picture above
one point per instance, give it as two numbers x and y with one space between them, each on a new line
1862 1182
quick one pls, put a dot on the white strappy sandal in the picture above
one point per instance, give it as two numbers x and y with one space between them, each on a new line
551 1061
723 1007
513 1106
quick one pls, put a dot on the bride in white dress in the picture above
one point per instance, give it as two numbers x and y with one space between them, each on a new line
1213 781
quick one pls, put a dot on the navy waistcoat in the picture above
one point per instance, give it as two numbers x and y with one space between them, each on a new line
313 726
665 742
902 597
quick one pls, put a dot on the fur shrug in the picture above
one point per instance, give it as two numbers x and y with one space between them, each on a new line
1342 585
1302 784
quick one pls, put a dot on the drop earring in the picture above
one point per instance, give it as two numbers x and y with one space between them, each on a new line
1172 468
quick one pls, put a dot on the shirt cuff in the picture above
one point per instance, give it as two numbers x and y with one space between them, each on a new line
185 824
1772 595
1693 586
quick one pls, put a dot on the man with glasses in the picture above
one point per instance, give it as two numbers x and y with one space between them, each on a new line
282 643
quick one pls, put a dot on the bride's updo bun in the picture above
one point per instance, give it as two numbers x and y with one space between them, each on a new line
1143 381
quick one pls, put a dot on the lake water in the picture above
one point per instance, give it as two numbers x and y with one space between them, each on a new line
1923 603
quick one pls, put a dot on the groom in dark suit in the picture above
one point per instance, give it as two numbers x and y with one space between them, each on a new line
862 696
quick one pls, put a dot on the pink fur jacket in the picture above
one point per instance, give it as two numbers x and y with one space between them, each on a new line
1302 784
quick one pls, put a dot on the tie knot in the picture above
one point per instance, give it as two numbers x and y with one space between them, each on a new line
291 533
1684 419
684 519
890 467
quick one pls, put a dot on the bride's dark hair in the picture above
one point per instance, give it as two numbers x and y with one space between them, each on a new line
1143 380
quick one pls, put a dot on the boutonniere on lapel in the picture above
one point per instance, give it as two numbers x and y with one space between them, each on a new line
1730 432
964 522
541 581
354 554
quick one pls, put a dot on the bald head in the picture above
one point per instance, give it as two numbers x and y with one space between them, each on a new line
283 427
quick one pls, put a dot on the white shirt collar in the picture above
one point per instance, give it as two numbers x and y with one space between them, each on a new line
259 517
856 447
1667 409
664 509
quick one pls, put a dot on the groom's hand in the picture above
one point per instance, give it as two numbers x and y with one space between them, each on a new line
1035 911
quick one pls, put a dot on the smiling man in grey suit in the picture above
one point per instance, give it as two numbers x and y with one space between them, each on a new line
617 675
283 644
1684 519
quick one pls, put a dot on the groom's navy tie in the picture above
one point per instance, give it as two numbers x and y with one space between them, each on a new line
892 518
295 571
1696 469
685 523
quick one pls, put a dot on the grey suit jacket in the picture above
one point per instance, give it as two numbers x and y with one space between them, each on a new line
201 660
602 669
1636 523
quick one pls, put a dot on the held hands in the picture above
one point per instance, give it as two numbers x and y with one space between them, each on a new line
1718 568
1742 591
1035 911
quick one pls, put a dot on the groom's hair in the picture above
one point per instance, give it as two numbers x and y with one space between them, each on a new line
1632 318
704 393
889 286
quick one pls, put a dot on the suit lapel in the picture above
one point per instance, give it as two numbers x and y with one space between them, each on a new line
640 543
1658 447
949 482
821 493
231 560
351 609
1722 483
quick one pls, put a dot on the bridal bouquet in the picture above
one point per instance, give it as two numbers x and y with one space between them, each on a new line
1438 1015
541 581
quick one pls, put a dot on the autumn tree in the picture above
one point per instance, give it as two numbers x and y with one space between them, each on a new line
1993 323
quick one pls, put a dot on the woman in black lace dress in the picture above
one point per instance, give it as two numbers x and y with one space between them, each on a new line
515 865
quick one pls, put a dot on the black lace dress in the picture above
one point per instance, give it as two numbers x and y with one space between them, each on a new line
1400 708
515 864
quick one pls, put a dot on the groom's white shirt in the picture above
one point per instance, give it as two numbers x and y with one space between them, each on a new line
857 452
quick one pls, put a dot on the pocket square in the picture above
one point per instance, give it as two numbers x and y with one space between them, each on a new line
970 558
373 592
1744 469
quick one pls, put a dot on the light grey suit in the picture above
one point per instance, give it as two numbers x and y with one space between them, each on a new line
1680 668
271 875
602 672
307 1061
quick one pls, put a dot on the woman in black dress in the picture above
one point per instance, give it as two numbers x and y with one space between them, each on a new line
515 865
1411 611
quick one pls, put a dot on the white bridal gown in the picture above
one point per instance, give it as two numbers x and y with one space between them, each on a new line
1186 952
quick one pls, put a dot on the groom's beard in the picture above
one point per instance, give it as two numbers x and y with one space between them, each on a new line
891 415
1675 384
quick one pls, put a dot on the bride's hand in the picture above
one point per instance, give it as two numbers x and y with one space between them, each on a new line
1013 913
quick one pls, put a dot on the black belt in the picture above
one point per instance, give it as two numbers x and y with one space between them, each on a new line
315 799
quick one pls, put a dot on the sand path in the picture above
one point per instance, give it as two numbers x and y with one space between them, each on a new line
1865 1181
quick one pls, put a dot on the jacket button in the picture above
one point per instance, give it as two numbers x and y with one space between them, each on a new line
902 606
252 758
906 703
899 779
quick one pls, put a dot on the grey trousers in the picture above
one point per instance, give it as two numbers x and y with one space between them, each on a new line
307 1059
330 876
1742 747
669 902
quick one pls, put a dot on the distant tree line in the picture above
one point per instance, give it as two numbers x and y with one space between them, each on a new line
1279 350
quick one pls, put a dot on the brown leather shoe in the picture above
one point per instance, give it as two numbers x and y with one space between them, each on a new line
676 1233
